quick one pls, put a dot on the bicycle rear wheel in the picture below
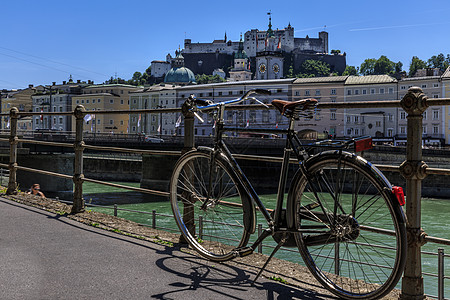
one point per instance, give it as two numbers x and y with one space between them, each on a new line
338 209
212 209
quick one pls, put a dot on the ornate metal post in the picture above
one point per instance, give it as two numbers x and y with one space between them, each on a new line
13 141
78 201
414 171
189 144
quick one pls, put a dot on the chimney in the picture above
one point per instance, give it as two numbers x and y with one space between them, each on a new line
30 86
64 82
78 81
54 83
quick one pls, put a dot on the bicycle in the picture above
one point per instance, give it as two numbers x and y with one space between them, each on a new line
341 212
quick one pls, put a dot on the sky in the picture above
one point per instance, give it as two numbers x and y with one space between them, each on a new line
48 41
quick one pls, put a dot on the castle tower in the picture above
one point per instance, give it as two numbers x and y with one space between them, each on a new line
241 70
269 60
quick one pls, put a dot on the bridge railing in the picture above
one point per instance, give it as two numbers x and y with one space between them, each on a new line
413 169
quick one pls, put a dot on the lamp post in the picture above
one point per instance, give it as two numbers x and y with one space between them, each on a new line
160 121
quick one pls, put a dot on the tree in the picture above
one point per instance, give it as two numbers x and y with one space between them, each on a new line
350 70
335 51
368 66
398 67
416 64
314 68
439 61
203 79
383 66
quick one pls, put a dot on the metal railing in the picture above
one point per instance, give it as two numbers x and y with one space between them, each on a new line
413 169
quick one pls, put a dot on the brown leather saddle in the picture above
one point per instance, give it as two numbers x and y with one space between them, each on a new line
294 109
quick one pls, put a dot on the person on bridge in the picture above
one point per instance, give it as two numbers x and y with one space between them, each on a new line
36 190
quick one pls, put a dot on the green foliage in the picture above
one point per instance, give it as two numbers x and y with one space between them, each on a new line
380 66
279 279
335 51
416 64
439 61
203 79
314 68
350 70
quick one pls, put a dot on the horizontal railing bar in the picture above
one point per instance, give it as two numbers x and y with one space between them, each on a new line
39 171
323 105
56 144
147 191
128 150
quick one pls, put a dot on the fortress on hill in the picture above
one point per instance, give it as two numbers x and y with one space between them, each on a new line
269 54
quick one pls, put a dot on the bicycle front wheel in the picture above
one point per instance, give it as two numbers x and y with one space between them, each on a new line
210 206
352 233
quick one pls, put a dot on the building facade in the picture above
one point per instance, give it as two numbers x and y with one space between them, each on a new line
105 97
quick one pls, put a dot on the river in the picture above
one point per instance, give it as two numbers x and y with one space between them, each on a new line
435 214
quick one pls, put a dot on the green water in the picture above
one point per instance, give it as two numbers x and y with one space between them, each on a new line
435 213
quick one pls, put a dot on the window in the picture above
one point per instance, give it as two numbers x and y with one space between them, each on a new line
333 115
356 131
230 93
93 100
60 120
403 87
424 86
356 93
435 85
87 101
111 101
381 90
390 132
424 130
279 90
435 129
378 123
349 92
111 121
424 115
435 95
98 100
121 101
265 116
307 93
98 121
348 119
390 117
317 92
297 93
402 115
391 90
435 114
364 92
372 91
333 92
402 129
356 119
220 93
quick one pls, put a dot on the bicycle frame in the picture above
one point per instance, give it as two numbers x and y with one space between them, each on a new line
274 221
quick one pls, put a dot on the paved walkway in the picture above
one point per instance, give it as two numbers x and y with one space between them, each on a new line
47 256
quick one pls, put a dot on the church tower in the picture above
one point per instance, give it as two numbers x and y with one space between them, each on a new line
269 60
241 67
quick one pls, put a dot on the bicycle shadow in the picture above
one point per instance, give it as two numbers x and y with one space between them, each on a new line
224 281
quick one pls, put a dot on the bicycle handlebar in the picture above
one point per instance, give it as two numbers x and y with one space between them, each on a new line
203 104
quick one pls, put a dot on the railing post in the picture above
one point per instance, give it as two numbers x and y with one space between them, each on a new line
154 219
441 274
260 230
414 171
115 210
189 144
13 141
78 201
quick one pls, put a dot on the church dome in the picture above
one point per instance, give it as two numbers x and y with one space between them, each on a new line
179 75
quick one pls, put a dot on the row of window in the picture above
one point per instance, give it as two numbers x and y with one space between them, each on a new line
435 115
101 91
435 129
424 86
371 90
229 93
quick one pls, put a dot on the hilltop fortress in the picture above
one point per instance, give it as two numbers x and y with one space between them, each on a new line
269 54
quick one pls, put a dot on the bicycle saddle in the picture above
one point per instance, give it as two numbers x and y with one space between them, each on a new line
293 108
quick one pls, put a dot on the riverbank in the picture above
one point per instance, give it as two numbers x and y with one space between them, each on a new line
277 270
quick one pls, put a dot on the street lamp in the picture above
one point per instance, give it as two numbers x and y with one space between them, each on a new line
160 121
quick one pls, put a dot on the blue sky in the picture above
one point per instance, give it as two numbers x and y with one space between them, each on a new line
46 41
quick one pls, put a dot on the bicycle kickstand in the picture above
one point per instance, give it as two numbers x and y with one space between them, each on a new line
280 244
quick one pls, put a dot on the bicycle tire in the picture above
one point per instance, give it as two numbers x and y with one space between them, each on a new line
227 218
337 242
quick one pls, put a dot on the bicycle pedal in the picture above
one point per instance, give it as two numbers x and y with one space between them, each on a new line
241 252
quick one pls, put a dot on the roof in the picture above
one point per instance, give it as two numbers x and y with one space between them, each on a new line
420 78
320 79
156 88
370 79
446 73
181 75
110 85
247 83
160 62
